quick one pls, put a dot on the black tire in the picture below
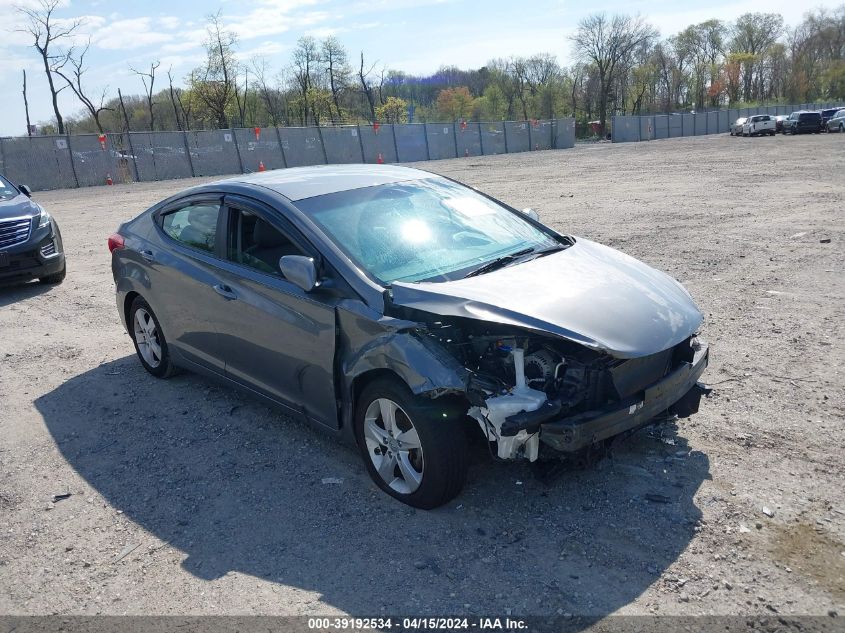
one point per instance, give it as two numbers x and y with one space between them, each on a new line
55 278
165 367
441 436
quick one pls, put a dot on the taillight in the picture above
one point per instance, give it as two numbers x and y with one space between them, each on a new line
115 242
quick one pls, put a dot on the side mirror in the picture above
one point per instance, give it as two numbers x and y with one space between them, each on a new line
531 213
25 190
299 270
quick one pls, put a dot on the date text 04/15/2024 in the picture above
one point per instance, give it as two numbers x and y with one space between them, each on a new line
416 624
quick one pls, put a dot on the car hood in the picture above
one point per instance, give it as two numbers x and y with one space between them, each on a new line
18 207
589 294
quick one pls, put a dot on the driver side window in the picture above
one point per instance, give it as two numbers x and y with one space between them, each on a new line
257 244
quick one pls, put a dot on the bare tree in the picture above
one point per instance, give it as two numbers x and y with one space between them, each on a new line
366 87
606 43
26 106
269 95
241 98
148 78
73 78
45 31
306 59
214 83
173 99
337 70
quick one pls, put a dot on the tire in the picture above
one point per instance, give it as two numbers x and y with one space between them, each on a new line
149 341
431 469
842 128
55 278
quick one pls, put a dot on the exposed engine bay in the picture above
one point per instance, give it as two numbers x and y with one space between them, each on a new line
521 378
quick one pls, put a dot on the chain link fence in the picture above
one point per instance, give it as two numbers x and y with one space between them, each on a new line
56 162
630 129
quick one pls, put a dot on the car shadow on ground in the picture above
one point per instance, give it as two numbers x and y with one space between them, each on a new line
239 487
13 292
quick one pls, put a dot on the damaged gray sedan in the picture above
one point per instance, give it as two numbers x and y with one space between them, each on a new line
396 308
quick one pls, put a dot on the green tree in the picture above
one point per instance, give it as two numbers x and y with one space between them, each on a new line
393 110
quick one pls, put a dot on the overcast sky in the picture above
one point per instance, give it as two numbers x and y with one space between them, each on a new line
416 36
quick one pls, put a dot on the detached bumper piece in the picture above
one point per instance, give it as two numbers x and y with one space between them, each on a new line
677 392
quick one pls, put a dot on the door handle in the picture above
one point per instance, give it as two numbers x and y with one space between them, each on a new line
225 291
148 256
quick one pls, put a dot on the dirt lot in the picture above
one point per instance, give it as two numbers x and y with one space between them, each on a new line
187 498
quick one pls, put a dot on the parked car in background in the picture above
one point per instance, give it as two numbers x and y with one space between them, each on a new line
758 125
837 122
779 119
398 309
30 241
827 115
736 128
803 122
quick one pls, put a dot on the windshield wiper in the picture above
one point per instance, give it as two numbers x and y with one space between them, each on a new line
499 262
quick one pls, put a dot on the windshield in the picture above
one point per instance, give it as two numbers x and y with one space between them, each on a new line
422 230
7 190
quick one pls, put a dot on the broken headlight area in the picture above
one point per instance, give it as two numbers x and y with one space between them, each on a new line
520 381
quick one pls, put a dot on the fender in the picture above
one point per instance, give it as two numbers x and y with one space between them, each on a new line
369 341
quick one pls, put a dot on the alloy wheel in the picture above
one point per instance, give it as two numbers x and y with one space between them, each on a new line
393 445
146 336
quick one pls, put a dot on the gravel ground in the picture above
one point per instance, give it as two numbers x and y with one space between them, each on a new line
187 498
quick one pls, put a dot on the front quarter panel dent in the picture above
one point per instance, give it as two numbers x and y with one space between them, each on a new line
369 341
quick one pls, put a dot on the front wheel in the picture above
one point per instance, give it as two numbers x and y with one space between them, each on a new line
55 278
411 452
150 344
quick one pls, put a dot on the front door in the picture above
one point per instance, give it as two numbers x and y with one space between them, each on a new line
275 338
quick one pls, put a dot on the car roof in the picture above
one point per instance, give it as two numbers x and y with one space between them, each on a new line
299 183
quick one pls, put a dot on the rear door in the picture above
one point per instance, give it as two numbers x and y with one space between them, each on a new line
181 267
275 338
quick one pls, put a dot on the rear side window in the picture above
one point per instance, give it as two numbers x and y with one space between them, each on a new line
810 116
194 225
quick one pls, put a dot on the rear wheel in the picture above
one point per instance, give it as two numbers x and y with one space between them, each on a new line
411 453
150 344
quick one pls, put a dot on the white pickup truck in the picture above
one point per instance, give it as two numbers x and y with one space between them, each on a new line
759 124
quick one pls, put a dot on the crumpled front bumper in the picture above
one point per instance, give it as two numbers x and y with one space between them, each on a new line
575 432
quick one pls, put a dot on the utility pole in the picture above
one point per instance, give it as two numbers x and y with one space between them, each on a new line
123 109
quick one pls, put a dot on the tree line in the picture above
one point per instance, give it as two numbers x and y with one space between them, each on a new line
622 66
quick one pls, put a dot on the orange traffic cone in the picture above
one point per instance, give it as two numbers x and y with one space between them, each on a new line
261 166
380 160
109 181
